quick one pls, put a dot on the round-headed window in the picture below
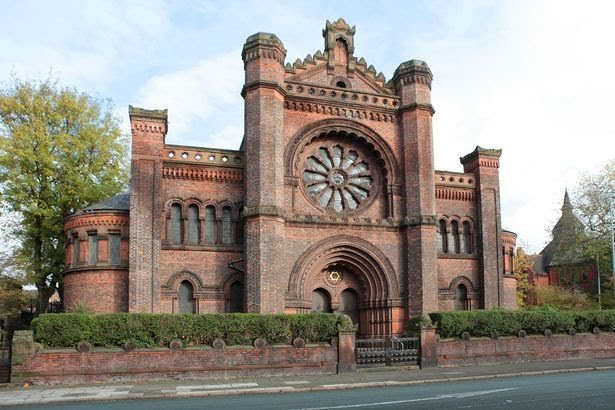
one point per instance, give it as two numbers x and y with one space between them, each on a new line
338 178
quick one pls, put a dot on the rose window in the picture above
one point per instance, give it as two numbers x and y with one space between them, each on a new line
337 178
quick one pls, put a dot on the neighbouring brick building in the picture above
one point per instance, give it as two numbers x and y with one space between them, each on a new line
331 203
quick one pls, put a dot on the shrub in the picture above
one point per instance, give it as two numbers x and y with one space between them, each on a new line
485 323
149 330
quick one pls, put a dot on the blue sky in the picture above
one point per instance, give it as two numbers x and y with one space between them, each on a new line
534 78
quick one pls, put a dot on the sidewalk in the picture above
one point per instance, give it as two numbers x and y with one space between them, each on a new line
11 394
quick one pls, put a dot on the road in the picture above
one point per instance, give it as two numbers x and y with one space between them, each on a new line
584 390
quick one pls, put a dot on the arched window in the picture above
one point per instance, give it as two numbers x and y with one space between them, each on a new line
443 236
76 250
236 294
455 234
240 231
503 260
321 302
193 224
226 225
467 238
186 297
461 297
210 224
511 257
349 305
175 228
92 248
115 248
341 51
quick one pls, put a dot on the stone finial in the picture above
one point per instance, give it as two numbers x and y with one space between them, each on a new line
339 44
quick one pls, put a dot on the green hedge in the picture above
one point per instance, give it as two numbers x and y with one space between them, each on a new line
150 330
503 322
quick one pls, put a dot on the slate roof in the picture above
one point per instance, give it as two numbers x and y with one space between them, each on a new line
119 202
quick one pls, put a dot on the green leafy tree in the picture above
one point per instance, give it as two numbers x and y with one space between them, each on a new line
12 296
60 150
522 263
594 196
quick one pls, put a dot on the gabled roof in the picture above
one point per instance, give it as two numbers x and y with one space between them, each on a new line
320 68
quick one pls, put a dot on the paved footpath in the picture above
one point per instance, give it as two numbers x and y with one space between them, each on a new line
12 394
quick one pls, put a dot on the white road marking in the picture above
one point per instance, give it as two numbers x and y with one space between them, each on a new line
384 403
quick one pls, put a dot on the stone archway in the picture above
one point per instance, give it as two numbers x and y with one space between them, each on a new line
359 279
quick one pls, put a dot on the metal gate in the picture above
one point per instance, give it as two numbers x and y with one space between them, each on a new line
5 359
387 351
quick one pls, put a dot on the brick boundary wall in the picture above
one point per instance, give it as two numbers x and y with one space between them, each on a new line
30 364
528 349
71 367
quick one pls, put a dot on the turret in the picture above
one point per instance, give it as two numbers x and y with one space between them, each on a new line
484 164
263 55
412 82
149 128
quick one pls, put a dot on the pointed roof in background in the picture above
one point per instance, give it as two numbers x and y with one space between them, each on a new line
567 235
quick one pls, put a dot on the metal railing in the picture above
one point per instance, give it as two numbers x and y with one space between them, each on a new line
387 351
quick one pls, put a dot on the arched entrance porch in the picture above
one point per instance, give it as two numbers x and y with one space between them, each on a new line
348 275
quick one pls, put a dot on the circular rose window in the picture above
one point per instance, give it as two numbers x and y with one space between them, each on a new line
337 178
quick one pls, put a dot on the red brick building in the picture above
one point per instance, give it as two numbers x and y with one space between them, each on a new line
331 203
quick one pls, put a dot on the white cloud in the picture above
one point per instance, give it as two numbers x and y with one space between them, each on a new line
533 78
203 100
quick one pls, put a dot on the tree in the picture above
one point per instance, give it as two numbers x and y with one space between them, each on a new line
60 150
523 263
12 296
594 196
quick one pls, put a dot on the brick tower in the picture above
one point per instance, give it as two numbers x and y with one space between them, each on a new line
413 85
263 55
485 164
148 128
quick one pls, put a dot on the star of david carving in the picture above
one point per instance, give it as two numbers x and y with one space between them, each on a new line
334 277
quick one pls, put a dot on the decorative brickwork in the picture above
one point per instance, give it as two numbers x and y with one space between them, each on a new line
332 203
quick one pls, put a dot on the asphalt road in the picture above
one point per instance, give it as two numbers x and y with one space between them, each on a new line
582 390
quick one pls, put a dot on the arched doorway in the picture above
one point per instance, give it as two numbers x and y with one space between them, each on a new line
349 304
236 294
321 301
355 278
461 297
186 297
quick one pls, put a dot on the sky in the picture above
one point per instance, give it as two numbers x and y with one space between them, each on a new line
534 78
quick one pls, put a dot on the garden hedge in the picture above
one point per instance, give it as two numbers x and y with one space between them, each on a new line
151 330
501 322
